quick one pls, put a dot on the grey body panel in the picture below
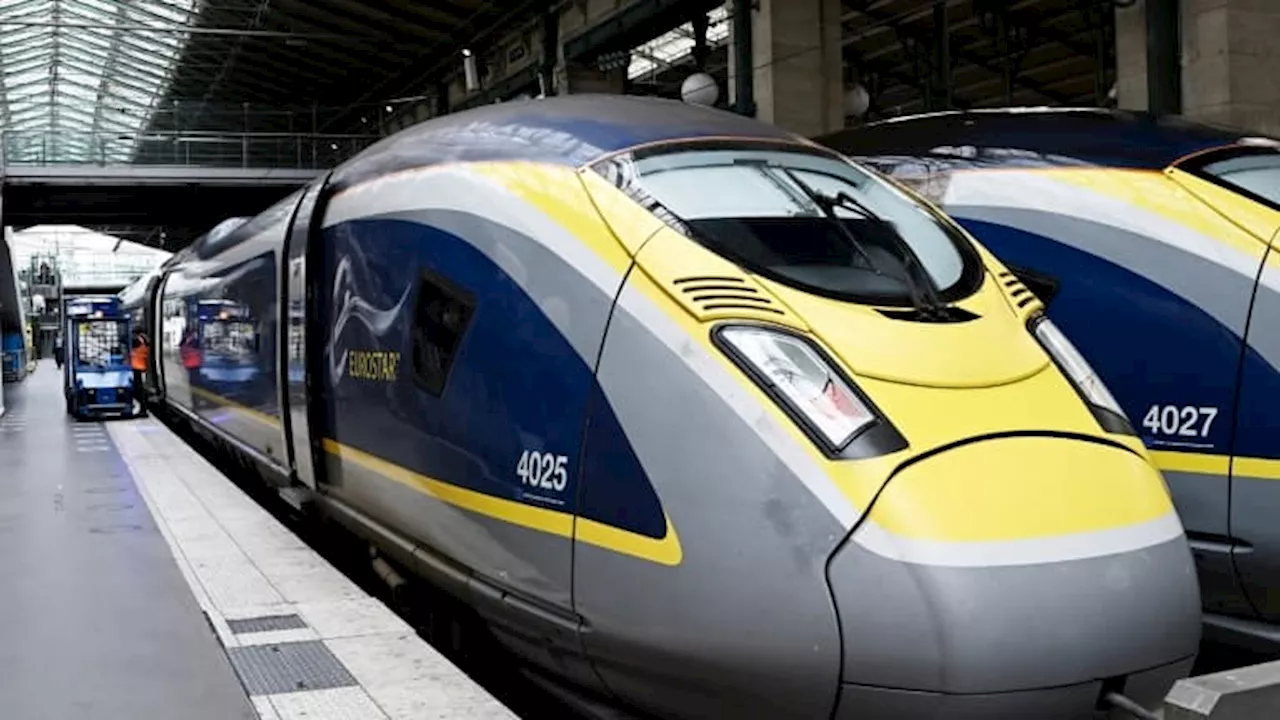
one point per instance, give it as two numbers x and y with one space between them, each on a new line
532 563
1000 629
1255 522
1264 323
744 625
1070 702
1255 502
1201 500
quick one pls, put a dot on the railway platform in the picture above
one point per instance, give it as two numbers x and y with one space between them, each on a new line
141 583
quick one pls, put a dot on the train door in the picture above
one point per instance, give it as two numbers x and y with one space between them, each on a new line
1255 470
293 340
456 367
160 341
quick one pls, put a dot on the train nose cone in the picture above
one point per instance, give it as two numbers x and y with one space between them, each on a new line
1012 577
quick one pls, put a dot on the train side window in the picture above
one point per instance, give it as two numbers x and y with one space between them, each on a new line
441 317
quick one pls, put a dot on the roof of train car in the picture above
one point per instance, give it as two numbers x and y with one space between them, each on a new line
230 232
568 130
1048 136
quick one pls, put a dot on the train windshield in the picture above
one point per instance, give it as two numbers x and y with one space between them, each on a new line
101 343
804 218
1255 172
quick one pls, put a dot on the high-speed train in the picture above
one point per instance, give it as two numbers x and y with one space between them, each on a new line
706 420
1154 244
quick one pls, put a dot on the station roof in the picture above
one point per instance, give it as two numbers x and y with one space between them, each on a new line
86 80
1002 53
107 81
82 73
68 89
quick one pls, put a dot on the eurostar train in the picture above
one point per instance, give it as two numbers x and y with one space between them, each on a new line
705 420
1154 244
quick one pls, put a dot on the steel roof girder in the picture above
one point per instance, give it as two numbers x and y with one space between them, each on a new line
147 45
155 42
149 9
318 74
21 54
117 74
122 68
429 64
906 34
25 67
351 10
23 35
139 57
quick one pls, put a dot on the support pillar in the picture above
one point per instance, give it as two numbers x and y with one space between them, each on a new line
1227 50
797 65
550 51
1230 54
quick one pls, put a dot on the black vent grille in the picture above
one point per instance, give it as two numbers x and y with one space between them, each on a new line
1022 297
712 293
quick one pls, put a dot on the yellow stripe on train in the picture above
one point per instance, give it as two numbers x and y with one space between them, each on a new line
665 551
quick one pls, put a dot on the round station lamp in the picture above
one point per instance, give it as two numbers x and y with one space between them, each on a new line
700 89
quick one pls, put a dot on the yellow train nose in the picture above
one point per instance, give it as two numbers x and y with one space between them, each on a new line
1020 488
1017 569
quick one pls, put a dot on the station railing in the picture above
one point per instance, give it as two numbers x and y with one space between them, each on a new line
304 151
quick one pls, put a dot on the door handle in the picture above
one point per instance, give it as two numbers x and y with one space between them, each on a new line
1216 543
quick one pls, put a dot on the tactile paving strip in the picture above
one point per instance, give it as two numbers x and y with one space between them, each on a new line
288 667
266 623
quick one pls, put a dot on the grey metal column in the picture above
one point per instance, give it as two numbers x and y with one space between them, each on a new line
942 31
1164 71
744 59
550 50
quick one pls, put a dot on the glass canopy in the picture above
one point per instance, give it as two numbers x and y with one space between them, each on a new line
79 79
671 48
85 257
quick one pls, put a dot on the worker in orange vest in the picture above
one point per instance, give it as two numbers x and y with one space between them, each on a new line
139 356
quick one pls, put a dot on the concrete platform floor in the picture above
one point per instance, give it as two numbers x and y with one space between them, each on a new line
141 583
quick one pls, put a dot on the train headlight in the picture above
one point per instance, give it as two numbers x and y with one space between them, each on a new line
1082 375
801 380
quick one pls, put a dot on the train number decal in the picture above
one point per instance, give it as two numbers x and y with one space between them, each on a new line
543 470
1180 421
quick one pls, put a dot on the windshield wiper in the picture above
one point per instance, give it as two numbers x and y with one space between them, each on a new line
814 197
920 289
926 285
